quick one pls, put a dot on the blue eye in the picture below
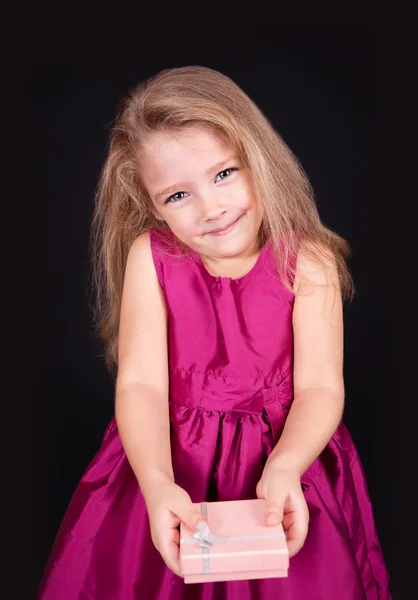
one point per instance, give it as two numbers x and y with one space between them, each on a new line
226 173
176 197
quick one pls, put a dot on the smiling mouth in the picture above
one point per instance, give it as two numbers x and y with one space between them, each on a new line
223 230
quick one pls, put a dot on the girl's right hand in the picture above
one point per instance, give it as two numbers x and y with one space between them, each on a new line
168 504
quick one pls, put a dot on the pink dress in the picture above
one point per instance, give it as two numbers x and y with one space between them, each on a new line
230 351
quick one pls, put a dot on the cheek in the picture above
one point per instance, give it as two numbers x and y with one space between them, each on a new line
245 198
180 221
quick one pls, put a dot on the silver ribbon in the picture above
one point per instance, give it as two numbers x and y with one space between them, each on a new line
206 539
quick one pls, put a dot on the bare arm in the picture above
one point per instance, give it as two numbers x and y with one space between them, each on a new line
318 375
142 412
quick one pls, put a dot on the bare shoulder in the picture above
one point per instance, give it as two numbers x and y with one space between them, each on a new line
316 267
143 319
140 282
317 321
141 248
140 263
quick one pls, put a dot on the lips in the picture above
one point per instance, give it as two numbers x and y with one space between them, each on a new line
224 229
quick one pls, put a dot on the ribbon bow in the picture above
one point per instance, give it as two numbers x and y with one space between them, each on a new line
205 537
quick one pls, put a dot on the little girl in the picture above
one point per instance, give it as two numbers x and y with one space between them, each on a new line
220 297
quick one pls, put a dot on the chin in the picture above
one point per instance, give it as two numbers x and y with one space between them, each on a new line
233 247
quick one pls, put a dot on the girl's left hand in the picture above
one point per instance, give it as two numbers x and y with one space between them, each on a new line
286 504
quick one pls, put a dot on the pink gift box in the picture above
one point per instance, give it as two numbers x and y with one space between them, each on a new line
239 544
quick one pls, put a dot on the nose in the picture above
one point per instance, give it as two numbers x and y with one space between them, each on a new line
212 209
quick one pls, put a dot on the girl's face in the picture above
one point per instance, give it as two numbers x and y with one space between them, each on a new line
202 192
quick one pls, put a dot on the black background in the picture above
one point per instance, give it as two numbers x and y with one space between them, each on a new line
321 87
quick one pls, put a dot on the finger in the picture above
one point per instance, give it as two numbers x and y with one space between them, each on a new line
186 512
275 504
295 525
275 507
171 558
170 552
259 490
295 541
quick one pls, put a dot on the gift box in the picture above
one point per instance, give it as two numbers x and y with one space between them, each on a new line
236 545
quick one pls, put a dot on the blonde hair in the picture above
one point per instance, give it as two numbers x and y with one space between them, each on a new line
199 96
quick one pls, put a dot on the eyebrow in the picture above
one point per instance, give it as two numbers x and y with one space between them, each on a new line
211 169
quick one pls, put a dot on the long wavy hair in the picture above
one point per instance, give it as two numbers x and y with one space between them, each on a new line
199 96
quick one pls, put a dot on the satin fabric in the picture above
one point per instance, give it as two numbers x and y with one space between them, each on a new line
230 354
